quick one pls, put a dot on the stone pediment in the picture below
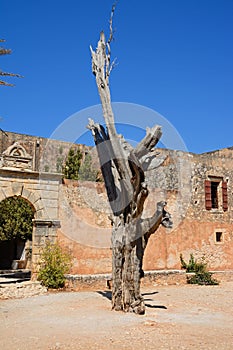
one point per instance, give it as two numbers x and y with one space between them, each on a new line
15 156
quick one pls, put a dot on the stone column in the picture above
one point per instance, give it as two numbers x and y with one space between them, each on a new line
43 230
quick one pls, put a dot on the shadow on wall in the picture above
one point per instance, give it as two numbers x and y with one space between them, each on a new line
12 254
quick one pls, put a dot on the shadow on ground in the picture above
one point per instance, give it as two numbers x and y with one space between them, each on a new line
108 295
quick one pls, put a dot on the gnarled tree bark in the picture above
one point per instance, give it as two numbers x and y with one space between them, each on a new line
123 168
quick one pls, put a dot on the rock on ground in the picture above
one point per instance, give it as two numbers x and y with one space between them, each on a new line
21 290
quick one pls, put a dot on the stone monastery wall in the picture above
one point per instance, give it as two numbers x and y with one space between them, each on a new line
206 232
197 188
48 155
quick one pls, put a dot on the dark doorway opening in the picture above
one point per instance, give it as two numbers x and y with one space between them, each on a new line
16 215
13 254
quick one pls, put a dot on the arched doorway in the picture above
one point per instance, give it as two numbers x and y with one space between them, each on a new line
16 226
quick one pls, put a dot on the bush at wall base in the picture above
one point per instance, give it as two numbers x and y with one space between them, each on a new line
54 264
197 270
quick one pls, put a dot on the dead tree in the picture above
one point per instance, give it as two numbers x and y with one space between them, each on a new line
123 168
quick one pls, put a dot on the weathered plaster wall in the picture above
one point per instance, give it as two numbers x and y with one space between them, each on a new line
83 210
196 231
85 229
180 180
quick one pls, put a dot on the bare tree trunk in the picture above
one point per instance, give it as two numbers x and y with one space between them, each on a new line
123 171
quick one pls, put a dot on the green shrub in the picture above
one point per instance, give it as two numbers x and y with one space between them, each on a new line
72 164
201 276
78 167
54 264
16 216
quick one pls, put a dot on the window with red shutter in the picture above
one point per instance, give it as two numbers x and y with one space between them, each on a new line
208 201
216 194
224 196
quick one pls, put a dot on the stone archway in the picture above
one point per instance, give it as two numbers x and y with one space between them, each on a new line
41 191
16 227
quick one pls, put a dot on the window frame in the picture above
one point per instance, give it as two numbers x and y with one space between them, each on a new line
223 232
216 196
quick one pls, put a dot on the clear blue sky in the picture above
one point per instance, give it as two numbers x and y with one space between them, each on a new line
174 56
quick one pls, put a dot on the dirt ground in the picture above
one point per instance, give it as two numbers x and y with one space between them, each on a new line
177 317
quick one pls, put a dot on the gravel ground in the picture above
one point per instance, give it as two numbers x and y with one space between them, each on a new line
177 317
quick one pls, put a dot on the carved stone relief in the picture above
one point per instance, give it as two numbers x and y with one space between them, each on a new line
15 156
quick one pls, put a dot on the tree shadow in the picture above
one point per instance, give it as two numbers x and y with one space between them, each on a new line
108 295
156 306
148 299
105 294
150 293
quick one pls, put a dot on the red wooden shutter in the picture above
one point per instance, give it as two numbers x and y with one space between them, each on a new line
224 196
208 201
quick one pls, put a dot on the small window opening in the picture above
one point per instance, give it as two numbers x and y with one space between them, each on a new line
218 237
214 194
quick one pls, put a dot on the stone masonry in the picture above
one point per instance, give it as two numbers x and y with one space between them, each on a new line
208 234
198 190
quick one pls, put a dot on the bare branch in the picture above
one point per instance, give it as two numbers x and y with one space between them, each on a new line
112 66
10 74
152 161
105 155
140 228
149 141
150 225
5 51
5 83
110 39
